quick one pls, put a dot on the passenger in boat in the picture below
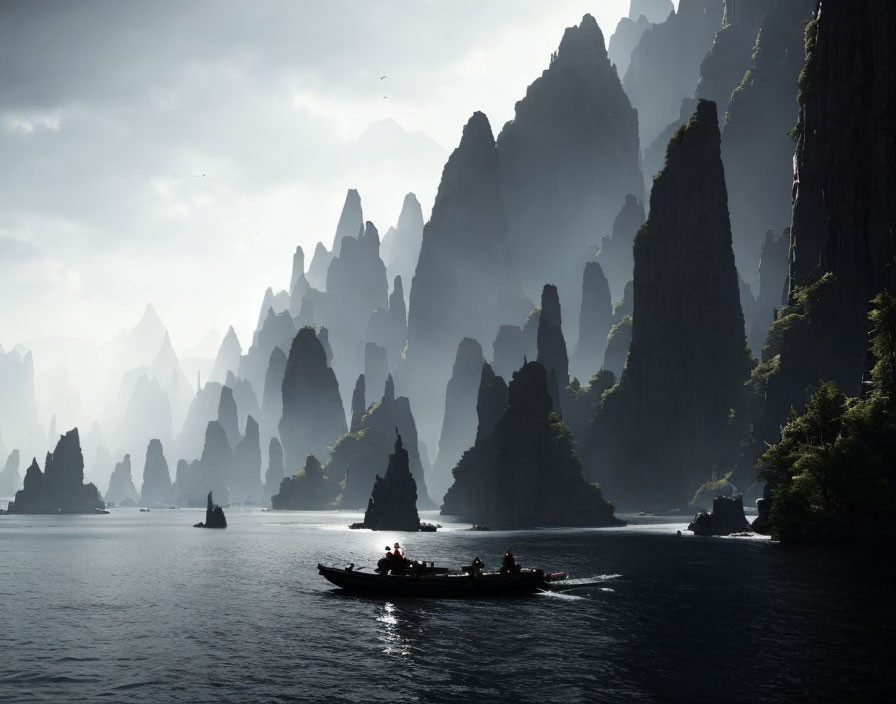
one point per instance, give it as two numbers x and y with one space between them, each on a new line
478 565
397 551
508 564
385 562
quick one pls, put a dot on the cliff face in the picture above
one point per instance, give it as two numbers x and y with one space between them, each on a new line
772 285
393 501
552 346
514 344
307 490
156 478
60 488
841 251
228 357
595 321
406 240
756 149
615 254
203 409
568 158
351 221
665 66
313 416
272 396
624 40
317 270
275 330
227 416
275 472
121 489
526 472
464 285
665 427
245 471
458 422
491 401
10 480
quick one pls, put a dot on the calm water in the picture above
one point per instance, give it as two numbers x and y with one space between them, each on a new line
141 607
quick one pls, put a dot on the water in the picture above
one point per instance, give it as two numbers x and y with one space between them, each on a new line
141 607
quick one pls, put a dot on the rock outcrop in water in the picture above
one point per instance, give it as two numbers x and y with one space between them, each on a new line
526 472
210 471
10 481
275 472
60 488
122 491
756 148
663 430
568 158
393 502
727 517
156 477
313 416
358 456
308 490
464 285
214 516
459 421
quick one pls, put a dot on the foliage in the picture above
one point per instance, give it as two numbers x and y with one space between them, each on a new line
832 472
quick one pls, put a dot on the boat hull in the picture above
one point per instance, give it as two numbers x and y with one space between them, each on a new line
459 586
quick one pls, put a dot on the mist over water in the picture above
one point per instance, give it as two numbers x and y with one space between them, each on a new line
138 607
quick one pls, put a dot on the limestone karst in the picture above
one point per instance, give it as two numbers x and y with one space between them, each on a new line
459 420
464 285
619 340
663 430
615 254
122 491
313 415
272 395
404 245
274 473
595 321
298 284
841 227
227 416
526 472
665 65
359 403
156 477
308 489
491 399
146 415
351 220
276 329
358 456
60 487
772 285
10 480
19 421
393 501
757 149
214 515
245 397
228 357
203 409
568 158
515 343
245 468
551 345
317 270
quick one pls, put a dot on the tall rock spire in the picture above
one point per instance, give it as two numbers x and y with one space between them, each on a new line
568 158
464 285
661 432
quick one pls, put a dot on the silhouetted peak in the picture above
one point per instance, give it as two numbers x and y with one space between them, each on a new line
389 391
477 134
150 316
410 207
582 45
351 220
371 234
231 338
398 288
550 305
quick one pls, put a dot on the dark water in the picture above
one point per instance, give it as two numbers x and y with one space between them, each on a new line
141 607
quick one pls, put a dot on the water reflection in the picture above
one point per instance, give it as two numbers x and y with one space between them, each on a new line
399 626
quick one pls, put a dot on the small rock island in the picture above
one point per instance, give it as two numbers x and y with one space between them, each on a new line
393 502
214 516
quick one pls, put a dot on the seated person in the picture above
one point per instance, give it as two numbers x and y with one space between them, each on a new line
508 564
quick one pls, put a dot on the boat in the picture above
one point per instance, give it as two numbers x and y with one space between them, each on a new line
431 581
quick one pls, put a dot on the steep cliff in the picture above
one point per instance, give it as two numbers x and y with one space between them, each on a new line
756 149
313 416
275 472
245 469
666 426
121 489
407 237
595 321
156 477
393 501
615 254
568 158
464 285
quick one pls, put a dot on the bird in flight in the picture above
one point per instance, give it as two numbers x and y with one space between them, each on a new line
382 77
198 175
385 97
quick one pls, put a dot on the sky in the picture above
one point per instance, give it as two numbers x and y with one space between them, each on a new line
177 152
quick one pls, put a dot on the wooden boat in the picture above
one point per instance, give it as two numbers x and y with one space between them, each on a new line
430 581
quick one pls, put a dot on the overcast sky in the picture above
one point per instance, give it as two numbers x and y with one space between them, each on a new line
110 112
